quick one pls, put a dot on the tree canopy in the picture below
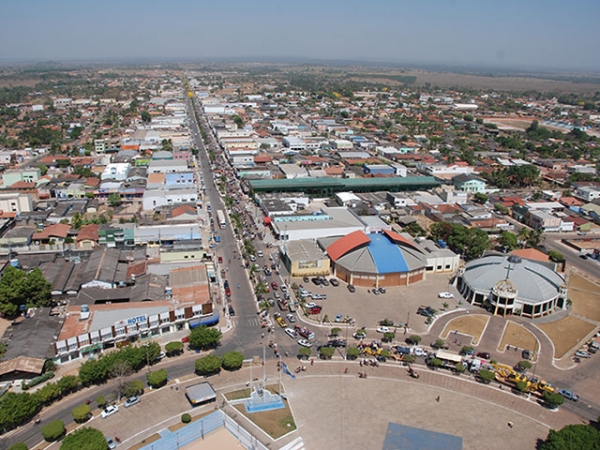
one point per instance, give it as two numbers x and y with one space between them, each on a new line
468 241
232 360
18 287
204 338
88 438
581 437
208 365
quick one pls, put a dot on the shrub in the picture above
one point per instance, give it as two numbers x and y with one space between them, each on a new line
37 380
524 364
88 438
53 431
186 418
410 359
305 352
232 360
208 365
157 378
414 339
487 376
352 353
135 387
435 363
327 352
101 401
81 413
18 446
388 337
174 348
386 322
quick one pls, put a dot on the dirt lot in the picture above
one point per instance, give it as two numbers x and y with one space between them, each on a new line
585 296
471 325
566 333
516 335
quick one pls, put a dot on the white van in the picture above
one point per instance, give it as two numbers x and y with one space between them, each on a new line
259 253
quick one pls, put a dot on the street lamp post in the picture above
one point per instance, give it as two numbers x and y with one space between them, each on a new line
147 356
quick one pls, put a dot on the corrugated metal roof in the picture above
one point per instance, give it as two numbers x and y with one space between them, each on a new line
387 255
347 243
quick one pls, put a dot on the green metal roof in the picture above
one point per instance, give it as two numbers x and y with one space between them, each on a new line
332 185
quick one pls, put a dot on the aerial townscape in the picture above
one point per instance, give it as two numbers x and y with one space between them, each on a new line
215 237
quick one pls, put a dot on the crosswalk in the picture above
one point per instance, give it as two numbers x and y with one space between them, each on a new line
246 322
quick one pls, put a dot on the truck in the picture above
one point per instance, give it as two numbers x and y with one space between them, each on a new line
227 288
304 332
200 394
280 320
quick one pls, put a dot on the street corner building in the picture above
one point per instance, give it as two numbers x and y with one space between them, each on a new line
509 284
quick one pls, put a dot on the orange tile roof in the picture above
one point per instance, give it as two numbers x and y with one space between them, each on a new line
137 269
56 230
88 232
347 243
184 209
156 178
531 253
397 238
92 182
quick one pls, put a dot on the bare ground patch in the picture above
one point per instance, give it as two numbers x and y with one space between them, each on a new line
472 325
585 297
516 335
566 333
143 443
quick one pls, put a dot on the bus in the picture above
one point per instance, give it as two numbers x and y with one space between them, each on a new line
221 219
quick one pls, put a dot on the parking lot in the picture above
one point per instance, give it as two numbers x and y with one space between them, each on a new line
399 304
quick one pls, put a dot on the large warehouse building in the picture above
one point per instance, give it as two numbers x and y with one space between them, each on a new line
384 259
512 285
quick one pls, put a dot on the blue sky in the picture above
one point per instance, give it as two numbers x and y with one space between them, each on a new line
506 33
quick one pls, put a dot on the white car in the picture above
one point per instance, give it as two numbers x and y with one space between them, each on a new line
418 351
310 305
109 411
134 400
290 318
446 295
291 333
383 330
305 343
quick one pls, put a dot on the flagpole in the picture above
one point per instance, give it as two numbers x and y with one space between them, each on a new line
280 370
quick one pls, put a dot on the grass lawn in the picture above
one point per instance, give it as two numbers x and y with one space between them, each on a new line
517 336
471 325
566 333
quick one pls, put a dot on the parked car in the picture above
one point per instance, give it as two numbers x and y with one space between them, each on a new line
310 305
351 288
290 318
526 354
305 343
133 400
111 444
283 288
483 355
446 295
338 318
231 311
568 395
426 311
316 281
324 282
274 285
306 279
383 330
418 351
337 343
375 291
440 345
315 310
583 354
334 282
109 411
291 333
382 290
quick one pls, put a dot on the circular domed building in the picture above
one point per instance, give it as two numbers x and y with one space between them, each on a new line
509 284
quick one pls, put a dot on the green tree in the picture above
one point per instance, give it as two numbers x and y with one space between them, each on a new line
389 336
459 368
305 352
23 288
524 364
580 437
101 401
326 352
53 431
157 379
352 353
120 370
135 387
436 363
146 117
556 257
480 198
81 413
335 331
208 365
174 348
409 359
114 199
68 384
85 438
487 376
204 338
43 169
508 240
238 121
415 339
16 409
521 386
232 360
553 399
19 446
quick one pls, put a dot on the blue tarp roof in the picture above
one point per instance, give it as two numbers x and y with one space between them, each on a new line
386 254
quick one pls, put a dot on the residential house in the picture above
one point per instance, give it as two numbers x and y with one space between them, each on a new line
469 183
87 238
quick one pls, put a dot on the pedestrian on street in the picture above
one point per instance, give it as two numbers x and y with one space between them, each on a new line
312 362
510 424
437 399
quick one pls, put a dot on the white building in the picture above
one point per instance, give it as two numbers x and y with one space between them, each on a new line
15 202
116 171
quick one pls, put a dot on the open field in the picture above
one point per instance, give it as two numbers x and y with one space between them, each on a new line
585 296
517 336
471 325
566 333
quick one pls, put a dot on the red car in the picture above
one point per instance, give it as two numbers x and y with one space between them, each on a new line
185 339
220 260
315 310
274 285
